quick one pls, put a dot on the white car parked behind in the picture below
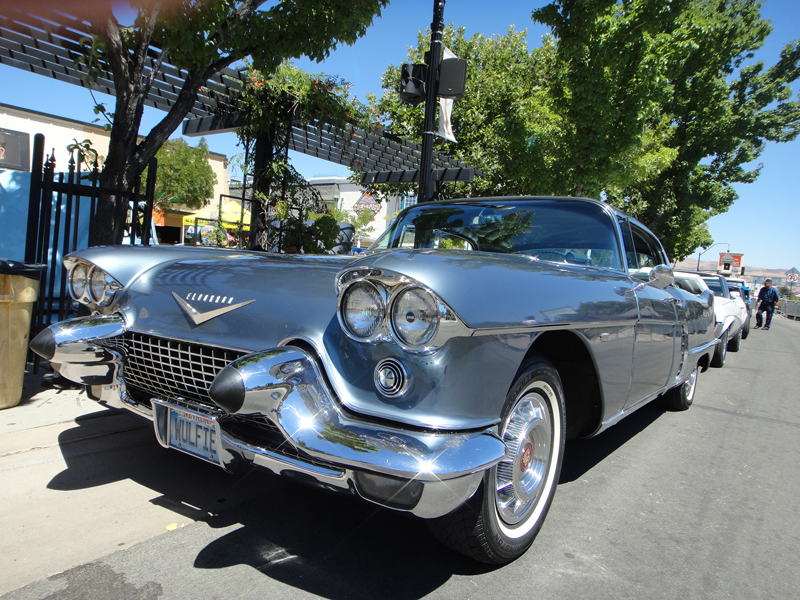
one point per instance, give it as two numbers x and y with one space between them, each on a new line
730 313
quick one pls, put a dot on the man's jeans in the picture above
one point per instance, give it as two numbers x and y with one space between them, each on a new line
769 310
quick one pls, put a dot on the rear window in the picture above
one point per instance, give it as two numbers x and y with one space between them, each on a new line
693 286
714 285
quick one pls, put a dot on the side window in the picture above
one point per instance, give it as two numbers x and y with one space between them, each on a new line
642 250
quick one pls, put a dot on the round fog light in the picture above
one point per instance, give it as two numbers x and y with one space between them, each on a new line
391 377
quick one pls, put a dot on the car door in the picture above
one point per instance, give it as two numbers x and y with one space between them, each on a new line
657 343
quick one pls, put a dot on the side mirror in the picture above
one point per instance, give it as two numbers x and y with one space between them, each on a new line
659 277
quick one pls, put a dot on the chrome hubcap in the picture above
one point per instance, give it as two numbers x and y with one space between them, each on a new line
689 386
520 477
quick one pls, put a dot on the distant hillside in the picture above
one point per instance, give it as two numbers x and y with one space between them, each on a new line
711 265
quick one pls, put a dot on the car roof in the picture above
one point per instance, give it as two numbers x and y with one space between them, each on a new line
512 199
686 275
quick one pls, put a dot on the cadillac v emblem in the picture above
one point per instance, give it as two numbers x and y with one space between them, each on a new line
198 317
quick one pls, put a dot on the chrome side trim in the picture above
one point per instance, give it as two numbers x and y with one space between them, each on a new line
704 347
614 419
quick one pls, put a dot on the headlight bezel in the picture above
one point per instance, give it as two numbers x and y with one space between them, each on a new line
392 287
83 284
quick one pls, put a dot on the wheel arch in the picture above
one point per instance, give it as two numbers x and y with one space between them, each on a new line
582 394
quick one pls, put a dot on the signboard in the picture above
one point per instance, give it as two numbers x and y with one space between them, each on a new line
15 150
734 260
367 202
792 277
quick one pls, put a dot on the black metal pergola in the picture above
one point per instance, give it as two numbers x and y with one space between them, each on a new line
48 43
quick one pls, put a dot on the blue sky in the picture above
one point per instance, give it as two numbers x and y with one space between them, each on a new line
763 223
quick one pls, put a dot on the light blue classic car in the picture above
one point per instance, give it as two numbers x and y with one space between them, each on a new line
439 373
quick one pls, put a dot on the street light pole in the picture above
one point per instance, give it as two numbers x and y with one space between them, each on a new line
437 26
699 254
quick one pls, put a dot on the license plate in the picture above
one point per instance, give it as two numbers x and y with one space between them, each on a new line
194 433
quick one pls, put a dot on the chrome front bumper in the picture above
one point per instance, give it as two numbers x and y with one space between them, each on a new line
426 472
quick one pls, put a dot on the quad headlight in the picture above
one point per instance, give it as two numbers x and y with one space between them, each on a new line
380 306
362 310
89 284
415 316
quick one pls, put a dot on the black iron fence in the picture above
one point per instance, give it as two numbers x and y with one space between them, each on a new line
61 209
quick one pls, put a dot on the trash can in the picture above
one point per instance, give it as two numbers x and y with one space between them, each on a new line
19 289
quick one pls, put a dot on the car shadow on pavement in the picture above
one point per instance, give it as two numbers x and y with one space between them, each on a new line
328 544
111 446
582 455
336 547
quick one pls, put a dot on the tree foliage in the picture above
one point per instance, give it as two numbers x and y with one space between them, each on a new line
362 222
272 104
722 112
654 106
202 37
297 220
184 175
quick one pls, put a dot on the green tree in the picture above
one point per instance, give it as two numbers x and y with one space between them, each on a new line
606 88
362 221
721 114
202 37
649 104
184 175
274 103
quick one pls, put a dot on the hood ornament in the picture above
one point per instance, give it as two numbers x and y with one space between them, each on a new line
198 318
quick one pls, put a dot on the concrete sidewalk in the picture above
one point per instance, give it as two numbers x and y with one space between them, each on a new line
46 400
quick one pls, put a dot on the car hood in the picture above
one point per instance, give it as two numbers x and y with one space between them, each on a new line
490 290
246 301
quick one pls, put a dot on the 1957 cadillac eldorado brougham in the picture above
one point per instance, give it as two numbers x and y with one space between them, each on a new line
439 373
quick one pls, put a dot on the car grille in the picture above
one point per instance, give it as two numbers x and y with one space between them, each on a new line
167 368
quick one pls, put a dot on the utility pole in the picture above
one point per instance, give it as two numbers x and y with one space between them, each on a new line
426 184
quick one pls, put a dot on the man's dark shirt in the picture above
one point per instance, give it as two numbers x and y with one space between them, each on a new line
768 295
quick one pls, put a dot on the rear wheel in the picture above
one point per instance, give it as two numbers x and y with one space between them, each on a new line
746 328
501 520
721 353
681 397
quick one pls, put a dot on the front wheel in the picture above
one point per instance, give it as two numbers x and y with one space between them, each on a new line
721 353
499 523
735 343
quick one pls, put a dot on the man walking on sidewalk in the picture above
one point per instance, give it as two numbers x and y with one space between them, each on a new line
767 299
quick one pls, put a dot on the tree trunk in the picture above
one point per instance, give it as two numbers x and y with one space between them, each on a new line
127 156
262 182
578 191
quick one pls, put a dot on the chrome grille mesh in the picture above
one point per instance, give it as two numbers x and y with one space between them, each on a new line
169 368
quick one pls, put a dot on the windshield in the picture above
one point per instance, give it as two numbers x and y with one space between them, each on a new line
559 231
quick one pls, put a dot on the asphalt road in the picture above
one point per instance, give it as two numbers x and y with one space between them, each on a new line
699 504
